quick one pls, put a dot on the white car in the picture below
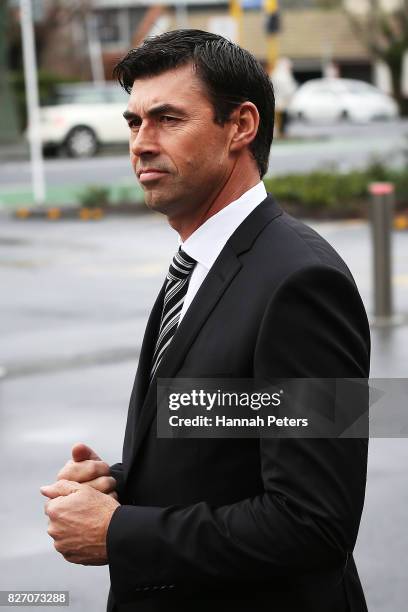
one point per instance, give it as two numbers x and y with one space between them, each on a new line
84 116
334 99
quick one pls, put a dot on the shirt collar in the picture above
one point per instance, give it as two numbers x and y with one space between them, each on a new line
207 242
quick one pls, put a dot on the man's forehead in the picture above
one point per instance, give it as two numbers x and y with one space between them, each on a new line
174 86
179 73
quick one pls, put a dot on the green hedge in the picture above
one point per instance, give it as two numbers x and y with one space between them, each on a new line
332 193
320 194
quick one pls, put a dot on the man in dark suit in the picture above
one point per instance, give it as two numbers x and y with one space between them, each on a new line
247 524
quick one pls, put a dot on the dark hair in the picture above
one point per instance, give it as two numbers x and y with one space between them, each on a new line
231 76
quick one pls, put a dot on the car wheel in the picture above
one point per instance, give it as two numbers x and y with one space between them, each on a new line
50 151
81 142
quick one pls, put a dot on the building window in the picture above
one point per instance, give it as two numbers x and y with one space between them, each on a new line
109 26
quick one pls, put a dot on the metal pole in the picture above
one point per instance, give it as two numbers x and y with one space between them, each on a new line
95 49
32 97
236 13
271 10
382 213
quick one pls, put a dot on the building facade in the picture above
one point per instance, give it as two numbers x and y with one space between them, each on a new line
316 40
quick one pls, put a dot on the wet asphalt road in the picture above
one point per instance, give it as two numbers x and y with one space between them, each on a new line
74 303
309 146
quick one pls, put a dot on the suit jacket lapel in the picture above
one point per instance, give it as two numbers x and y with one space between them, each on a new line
141 383
207 297
149 342
215 284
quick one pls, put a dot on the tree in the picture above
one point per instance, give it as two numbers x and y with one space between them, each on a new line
8 119
56 45
59 57
385 34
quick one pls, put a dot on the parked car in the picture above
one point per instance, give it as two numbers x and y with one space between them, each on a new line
335 99
82 117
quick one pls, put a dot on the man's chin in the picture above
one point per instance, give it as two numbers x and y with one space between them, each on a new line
159 204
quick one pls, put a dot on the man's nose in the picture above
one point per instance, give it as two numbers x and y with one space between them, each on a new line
145 142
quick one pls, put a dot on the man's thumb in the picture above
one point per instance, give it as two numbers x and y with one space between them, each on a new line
82 452
59 488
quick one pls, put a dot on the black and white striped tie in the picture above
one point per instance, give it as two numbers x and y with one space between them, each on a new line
178 278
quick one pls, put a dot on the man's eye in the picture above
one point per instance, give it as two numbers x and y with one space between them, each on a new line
167 119
134 124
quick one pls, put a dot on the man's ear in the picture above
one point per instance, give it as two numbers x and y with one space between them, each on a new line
245 122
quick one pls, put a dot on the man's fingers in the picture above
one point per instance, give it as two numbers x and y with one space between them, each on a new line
83 471
61 487
81 452
105 484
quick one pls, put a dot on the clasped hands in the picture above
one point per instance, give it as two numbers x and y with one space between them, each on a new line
80 507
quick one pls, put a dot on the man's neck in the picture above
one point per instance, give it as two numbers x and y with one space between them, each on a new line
240 181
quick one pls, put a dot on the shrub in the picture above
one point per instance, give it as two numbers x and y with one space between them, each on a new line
94 196
334 193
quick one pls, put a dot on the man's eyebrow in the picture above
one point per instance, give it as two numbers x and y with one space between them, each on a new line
128 115
156 110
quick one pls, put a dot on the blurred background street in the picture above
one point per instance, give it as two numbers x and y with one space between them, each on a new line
78 278
310 147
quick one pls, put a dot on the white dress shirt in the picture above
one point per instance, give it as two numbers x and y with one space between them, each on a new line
207 242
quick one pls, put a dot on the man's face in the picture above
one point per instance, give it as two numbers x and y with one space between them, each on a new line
179 154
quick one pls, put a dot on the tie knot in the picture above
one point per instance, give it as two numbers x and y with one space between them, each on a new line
181 266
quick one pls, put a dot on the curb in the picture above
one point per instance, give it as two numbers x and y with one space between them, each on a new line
96 213
83 213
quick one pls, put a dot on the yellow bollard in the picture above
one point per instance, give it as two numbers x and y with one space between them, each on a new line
53 213
85 214
23 213
97 214
401 222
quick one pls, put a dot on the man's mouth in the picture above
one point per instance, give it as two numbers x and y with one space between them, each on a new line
150 174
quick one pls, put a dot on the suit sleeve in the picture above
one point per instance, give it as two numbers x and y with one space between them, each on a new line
116 471
308 515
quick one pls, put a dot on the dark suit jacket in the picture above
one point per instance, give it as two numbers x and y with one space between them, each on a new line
247 524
